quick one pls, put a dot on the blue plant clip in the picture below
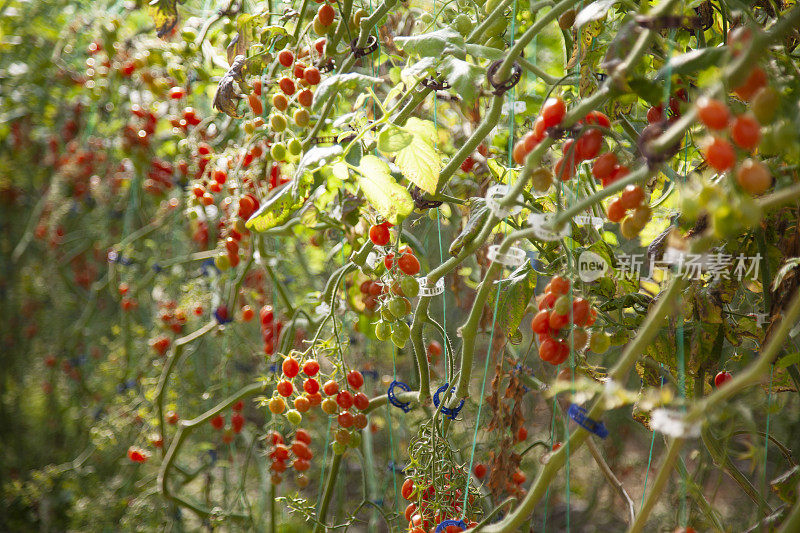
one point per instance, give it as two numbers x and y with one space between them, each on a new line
444 523
578 414
209 263
520 368
222 319
450 412
405 406
274 367
370 374
391 465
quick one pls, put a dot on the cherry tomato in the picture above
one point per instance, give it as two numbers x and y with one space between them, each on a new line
286 58
553 112
713 113
290 367
355 379
407 489
379 235
408 264
721 378
753 176
285 388
330 388
746 131
720 154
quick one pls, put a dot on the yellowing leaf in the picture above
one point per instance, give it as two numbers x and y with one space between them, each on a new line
391 200
420 162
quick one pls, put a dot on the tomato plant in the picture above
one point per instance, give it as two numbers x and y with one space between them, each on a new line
288 267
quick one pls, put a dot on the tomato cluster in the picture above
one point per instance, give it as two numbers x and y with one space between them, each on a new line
744 130
655 114
557 307
237 422
633 199
270 328
297 455
422 517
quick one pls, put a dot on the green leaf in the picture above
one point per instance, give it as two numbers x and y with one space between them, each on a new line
278 209
500 172
391 200
420 162
338 82
788 360
484 52
393 140
463 77
594 11
439 43
316 156
514 295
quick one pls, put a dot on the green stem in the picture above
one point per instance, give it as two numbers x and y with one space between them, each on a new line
326 496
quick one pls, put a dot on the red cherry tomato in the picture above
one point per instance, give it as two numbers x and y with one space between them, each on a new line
553 112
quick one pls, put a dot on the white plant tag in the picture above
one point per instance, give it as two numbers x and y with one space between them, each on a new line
541 224
673 423
427 290
591 266
514 257
493 197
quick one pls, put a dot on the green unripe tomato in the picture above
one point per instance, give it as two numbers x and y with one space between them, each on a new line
228 26
426 18
277 122
690 208
397 307
301 117
319 29
355 440
770 143
342 436
400 333
338 448
295 147
410 286
541 179
726 221
383 330
222 262
386 314
765 104
562 305
278 151
249 128
463 24
749 212
600 342
294 417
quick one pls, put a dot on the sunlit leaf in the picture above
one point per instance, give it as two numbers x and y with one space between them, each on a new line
380 189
